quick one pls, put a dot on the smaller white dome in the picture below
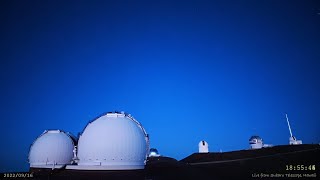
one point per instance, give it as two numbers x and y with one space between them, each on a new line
203 147
154 153
256 142
51 149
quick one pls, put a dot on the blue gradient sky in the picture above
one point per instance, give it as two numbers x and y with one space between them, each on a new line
218 71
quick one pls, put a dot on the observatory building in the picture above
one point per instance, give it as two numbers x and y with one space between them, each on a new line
154 153
292 139
113 141
52 149
256 142
203 147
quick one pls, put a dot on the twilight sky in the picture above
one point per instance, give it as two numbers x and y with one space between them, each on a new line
218 71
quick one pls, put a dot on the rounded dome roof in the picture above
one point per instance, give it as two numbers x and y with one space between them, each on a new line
203 143
255 137
52 147
154 152
113 141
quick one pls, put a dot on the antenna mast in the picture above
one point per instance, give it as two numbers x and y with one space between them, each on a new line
288 125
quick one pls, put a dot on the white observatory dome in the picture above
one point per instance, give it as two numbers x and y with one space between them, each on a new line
256 142
113 141
53 148
154 153
203 147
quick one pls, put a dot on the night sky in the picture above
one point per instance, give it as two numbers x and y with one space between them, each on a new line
218 71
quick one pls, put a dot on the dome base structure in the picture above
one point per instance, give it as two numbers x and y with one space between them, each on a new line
105 167
49 166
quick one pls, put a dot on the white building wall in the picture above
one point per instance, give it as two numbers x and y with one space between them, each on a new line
203 147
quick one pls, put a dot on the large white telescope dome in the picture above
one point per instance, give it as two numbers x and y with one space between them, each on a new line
53 148
113 141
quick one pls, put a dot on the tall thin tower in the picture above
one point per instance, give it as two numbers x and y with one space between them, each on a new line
289 125
292 139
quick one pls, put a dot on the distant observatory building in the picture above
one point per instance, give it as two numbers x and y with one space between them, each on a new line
52 149
113 141
154 153
292 139
203 147
256 142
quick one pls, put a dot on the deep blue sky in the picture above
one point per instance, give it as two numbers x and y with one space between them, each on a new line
218 71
